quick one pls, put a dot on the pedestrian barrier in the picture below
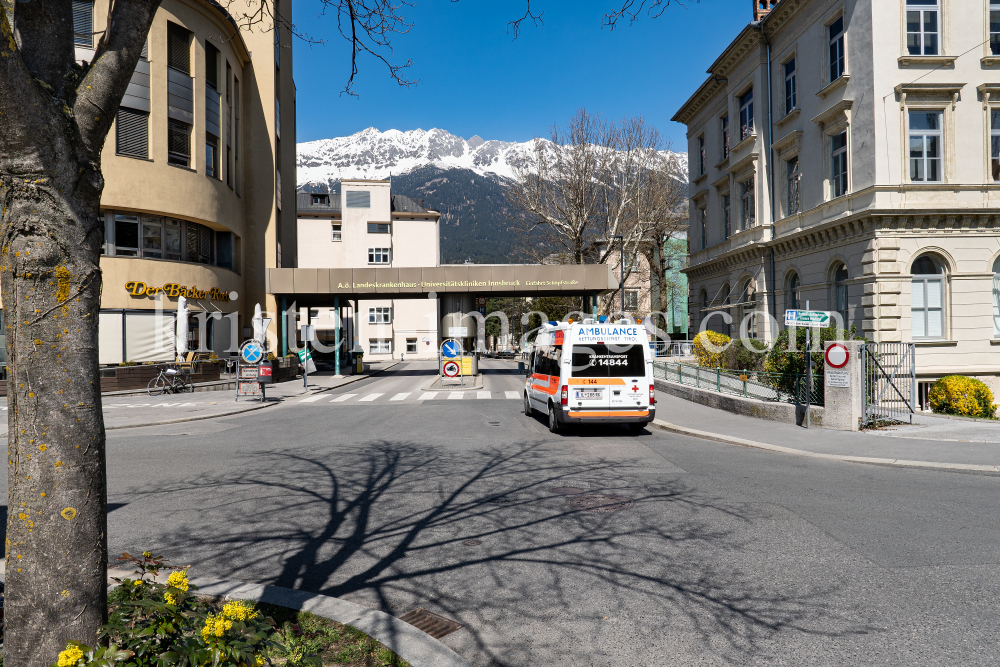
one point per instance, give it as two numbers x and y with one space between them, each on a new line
759 385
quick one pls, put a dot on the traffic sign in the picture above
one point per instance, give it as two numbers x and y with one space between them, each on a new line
816 319
304 354
458 332
252 352
837 356
450 369
481 301
451 349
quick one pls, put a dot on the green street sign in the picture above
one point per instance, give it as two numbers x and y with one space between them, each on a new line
817 319
304 354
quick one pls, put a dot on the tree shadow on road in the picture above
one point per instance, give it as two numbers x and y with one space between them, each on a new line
481 536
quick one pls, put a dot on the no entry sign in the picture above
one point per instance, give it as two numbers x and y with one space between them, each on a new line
837 356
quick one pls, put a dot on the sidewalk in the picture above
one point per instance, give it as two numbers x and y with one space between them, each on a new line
931 442
133 411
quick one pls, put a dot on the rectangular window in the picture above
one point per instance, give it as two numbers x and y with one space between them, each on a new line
212 66
225 243
199 243
379 346
178 48
379 228
727 226
995 28
127 235
703 223
132 133
790 85
922 27
837 63
792 176
380 315
378 255
335 228
211 156
631 300
927 307
748 212
359 199
838 168
236 135
725 137
152 237
83 23
701 156
320 200
746 114
411 345
172 239
178 143
925 146
995 143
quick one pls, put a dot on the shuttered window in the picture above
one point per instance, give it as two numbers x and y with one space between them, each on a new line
199 243
178 143
359 199
178 48
83 22
378 228
132 133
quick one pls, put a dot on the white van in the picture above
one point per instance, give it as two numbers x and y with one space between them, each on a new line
591 372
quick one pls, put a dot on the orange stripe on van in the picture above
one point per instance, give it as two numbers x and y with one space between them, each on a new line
612 413
596 381
550 388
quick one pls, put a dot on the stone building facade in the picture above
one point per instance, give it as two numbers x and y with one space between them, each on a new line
846 153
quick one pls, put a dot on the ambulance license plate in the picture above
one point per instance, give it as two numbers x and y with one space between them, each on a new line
589 395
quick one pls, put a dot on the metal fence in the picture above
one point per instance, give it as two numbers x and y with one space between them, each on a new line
763 386
888 376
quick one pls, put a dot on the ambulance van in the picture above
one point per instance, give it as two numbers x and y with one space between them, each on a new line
591 373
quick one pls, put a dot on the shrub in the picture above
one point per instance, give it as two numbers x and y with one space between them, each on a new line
744 357
710 348
270 356
128 363
964 396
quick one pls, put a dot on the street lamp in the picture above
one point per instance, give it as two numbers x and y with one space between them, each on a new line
621 259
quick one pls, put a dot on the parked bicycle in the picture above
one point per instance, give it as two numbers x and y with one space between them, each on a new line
171 381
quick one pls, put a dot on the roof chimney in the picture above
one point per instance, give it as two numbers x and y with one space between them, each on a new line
761 8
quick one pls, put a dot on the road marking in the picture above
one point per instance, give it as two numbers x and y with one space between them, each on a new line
455 396
369 397
400 397
512 394
312 398
342 398
428 396
482 394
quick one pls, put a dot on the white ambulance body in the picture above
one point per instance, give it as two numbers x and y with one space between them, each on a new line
591 372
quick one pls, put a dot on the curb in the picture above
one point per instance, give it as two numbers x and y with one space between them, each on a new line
742 442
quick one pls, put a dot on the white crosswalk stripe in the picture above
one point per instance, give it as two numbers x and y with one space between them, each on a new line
343 397
455 396
512 394
369 397
400 397
482 394
428 396
312 398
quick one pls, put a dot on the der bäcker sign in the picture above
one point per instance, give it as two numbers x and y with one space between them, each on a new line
174 290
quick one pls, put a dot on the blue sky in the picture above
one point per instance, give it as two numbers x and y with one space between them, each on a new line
475 80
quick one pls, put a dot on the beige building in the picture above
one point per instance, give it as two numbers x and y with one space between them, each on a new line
847 153
365 226
193 194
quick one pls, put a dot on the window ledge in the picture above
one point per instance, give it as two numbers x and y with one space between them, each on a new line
906 61
134 157
182 167
722 163
937 342
699 178
990 61
750 139
834 85
790 116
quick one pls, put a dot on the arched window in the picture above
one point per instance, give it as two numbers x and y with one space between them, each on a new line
840 293
996 298
726 301
927 298
704 307
746 300
793 292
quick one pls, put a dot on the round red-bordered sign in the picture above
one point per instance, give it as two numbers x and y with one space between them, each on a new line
450 369
837 356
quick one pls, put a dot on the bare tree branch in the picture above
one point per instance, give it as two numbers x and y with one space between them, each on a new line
631 9
515 25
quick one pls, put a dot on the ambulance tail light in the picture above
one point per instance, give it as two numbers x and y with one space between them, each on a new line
652 394
564 396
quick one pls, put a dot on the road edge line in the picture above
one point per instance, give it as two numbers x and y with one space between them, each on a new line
753 444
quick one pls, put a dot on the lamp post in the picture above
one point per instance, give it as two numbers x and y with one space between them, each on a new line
621 260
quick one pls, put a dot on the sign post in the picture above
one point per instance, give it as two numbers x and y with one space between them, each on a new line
811 319
451 355
308 334
248 370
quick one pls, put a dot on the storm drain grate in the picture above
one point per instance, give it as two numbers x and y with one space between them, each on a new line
434 625
599 503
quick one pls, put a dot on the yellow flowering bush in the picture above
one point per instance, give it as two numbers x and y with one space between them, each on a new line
710 348
71 656
963 396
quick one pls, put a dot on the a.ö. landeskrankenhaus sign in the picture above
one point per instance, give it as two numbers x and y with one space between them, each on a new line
174 290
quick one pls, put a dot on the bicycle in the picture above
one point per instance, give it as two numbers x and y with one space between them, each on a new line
171 381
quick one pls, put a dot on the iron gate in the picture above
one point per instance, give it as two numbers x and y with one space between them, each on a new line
889 382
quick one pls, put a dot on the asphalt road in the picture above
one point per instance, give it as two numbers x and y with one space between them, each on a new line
725 555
